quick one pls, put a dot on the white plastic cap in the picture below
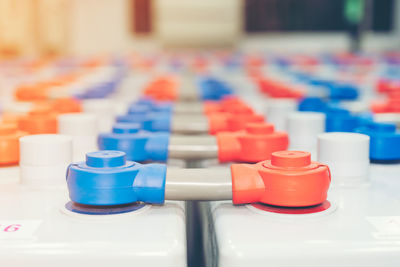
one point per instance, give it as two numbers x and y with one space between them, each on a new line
103 109
98 105
347 155
278 110
44 158
83 128
77 124
303 130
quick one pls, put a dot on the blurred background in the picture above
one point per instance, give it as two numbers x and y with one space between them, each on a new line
84 27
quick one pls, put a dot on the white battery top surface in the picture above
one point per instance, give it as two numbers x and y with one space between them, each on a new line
362 228
35 228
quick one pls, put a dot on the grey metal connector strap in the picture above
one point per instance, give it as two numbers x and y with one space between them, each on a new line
189 124
193 147
198 184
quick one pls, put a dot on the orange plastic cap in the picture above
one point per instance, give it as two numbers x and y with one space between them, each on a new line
32 92
254 144
11 118
212 107
238 122
67 105
289 179
40 120
9 144
218 122
290 159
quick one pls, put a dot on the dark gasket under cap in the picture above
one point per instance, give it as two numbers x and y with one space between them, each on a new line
103 210
294 210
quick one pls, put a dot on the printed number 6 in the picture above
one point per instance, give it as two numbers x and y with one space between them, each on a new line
12 228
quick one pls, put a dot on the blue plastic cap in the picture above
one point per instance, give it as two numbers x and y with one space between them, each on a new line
343 91
382 127
132 144
152 121
157 146
104 159
138 109
144 106
213 89
145 101
163 107
106 179
140 146
312 104
384 142
319 82
126 128
336 111
130 118
340 120
157 122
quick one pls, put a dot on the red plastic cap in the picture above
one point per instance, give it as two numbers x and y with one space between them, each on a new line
212 107
260 128
379 107
228 122
254 144
277 89
218 122
9 144
238 109
387 86
390 105
238 122
162 89
289 179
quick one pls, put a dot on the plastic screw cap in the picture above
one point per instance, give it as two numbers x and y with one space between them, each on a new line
347 155
259 128
126 128
98 106
254 144
138 145
340 120
384 141
103 109
289 179
106 178
290 159
312 104
237 122
83 128
303 129
278 110
78 124
139 110
67 105
44 158
9 144
41 120
10 118
105 159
